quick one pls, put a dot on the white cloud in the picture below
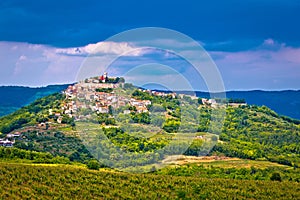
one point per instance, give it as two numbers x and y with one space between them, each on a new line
35 65
103 48
272 44
22 57
269 42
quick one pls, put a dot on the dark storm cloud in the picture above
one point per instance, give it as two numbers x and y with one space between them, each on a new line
233 24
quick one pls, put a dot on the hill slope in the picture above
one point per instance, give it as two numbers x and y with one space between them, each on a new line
250 132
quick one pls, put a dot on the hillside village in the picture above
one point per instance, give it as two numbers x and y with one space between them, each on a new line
98 95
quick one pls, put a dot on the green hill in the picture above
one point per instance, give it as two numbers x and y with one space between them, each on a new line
249 132
266 143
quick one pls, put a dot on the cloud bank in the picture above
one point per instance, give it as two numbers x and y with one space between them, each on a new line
270 66
37 65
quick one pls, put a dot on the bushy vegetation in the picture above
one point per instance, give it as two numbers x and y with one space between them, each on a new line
274 173
254 132
34 113
32 156
131 143
56 143
93 164
66 182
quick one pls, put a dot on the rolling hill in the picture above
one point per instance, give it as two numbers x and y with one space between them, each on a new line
256 154
248 132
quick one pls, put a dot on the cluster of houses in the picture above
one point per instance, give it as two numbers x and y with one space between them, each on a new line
9 140
161 94
214 104
84 94
210 102
101 101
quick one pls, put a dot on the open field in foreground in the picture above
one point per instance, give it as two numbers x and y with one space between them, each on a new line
23 181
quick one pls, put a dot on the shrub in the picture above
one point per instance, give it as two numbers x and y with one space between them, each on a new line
275 177
93 164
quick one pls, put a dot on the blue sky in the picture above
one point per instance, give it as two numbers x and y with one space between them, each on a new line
255 44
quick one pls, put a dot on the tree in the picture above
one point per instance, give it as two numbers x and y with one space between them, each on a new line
93 164
157 120
157 108
121 80
171 125
214 138
275 177
110 110
200 101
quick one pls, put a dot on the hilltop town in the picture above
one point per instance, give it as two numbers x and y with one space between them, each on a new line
102 95
99 95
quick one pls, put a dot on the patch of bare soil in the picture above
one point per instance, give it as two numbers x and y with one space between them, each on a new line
181 159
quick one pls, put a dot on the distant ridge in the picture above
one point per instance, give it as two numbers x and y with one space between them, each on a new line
286 102
14 97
